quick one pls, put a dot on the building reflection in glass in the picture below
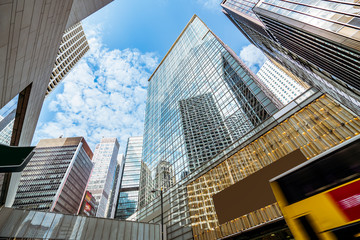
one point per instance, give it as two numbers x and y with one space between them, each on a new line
195 95
130 179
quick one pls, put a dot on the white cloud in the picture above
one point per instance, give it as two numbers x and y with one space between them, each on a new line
252 57
210 4
103 96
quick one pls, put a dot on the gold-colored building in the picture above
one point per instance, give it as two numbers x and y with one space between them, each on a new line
313 127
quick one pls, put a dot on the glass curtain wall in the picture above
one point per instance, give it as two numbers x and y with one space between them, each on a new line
314 129
129 186
201 99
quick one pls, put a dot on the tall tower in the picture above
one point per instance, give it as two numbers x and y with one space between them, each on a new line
102 178
72 48
282 85
129 184
318 41
30 39
6 127
56 177
116 186
199 76
204 130
331 31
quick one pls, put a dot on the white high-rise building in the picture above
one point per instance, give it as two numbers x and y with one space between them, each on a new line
282 85
116 185
31 32
102 177
72 48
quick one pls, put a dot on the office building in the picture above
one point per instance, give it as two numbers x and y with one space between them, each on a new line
30 39
29 51
102 178
311 40
198 114
7 119
116 186
305 128
56 177
6 127
129 185
147 185
282 85
179 139
324 33
72 48
164 176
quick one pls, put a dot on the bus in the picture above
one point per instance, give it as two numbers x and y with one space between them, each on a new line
320 199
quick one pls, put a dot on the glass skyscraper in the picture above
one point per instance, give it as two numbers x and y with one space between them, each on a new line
6 127
130 179
102 177
56 176
317 41
199 88
325 33
116 186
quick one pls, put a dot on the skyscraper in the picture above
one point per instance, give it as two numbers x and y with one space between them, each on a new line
130 179
233 199
72 48
6 127
147 185
116 186
205 132
314 40
331 31
102 178
30 39
56 177
281 84
200 69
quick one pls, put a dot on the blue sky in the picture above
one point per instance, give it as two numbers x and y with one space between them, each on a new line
104 95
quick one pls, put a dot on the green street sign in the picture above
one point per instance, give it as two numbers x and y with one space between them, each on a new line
14 159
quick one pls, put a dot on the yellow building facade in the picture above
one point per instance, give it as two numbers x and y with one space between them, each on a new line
317 127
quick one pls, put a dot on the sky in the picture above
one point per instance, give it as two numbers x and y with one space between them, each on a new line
105 93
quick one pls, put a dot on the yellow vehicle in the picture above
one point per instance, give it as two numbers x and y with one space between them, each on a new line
320 199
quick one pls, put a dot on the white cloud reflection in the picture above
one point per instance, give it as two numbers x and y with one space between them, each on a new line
103 96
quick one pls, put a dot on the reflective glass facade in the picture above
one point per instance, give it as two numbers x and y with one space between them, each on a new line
244 6
7 117
315 128
24 225
56 176
116 186
102 177
129 184
6 128
304 52
199 89
335 16
325 33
